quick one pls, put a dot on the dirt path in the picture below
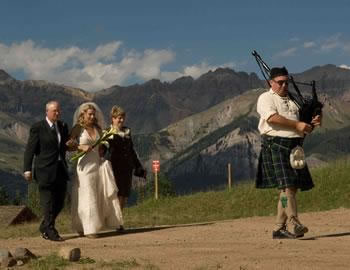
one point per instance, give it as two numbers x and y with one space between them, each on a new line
235 244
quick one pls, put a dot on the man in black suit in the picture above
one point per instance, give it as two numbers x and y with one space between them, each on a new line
47 147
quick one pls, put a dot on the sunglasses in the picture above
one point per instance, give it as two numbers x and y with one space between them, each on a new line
280 83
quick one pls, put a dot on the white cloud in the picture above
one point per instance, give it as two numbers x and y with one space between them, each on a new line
94 69
334 42
344 66
88 69
286 53
309 44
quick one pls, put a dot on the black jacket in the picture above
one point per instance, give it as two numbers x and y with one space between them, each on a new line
43 147
122 154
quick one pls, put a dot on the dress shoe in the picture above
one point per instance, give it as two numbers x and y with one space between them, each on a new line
121 229
45 236
53 235
282 233
57 238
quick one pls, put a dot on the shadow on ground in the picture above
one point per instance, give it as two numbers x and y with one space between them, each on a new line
137 230
325 236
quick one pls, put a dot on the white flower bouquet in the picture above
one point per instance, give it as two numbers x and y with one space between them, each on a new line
106 135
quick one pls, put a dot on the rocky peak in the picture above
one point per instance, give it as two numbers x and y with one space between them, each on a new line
4 76
329 78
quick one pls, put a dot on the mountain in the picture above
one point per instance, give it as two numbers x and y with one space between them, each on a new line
150 106
154 105
4 76
195 151
21 104
194 126
329 79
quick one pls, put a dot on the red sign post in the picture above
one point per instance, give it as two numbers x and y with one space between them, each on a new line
155 169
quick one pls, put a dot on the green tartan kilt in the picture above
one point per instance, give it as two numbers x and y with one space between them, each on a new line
274 169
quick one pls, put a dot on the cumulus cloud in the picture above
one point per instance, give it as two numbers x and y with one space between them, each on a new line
87 69
344 66
94 69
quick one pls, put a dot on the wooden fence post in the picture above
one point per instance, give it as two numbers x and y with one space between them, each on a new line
156 185
229 179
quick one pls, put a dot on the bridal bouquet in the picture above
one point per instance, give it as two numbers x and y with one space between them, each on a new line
106 134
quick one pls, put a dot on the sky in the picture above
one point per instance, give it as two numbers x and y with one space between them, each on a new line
94 45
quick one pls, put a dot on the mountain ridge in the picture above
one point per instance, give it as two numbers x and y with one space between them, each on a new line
176 122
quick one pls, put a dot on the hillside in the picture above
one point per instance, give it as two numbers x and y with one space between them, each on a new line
196 150
195 127
150 106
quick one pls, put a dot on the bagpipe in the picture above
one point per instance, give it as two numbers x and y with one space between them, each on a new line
308 106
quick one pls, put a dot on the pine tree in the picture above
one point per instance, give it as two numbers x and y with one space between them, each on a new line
4 197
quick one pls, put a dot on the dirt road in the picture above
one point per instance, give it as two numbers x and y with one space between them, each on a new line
234 244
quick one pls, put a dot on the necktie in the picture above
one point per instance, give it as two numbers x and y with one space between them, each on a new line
55 133
53 130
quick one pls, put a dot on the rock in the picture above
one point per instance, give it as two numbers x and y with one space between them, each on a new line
4 253
7 262
20 262
71 254
23 253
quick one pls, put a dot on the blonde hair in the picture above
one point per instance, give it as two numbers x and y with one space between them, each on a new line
84 109
116 111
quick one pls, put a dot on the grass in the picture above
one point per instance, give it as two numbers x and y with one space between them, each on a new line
53 261
49 262
332 190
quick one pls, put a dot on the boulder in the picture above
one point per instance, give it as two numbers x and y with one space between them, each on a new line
71 254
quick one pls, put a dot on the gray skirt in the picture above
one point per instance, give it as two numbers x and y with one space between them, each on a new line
274 169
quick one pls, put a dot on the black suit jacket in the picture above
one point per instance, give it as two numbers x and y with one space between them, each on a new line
43 147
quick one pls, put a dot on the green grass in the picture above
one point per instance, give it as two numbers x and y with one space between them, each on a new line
49 262
53 261
332 190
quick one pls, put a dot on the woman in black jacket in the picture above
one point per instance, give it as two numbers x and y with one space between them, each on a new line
123 156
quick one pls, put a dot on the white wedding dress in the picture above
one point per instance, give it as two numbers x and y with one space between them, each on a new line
95 204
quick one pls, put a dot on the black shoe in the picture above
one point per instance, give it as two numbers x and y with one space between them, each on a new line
121 229
45 236
282 234
53 235
57 238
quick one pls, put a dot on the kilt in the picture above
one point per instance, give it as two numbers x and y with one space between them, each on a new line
274 169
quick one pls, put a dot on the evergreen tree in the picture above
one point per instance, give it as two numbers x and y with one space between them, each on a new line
17 200
165 187
4 197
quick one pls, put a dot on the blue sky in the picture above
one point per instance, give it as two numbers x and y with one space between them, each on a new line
97 44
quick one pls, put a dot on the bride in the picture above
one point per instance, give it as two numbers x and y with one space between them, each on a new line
95 204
